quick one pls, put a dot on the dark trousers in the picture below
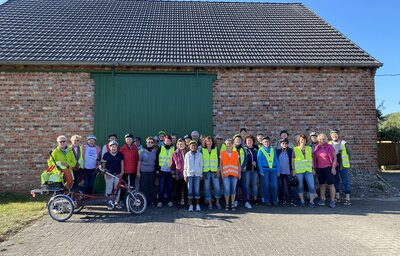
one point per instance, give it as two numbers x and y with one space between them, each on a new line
147 180
89 175
181 188
78 176
129 179
282 179
165 185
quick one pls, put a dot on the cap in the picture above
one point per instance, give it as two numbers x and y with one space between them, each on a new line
192 142
112 135
128 135
113 142
284 140
195 133
161 132
91 137
313 134
334 131
155 138
237 135
187 136
284 131
137 139
242 129
266 138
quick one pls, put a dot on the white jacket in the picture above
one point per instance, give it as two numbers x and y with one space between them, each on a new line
193 165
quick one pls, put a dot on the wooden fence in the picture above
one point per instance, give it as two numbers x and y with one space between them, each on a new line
388 154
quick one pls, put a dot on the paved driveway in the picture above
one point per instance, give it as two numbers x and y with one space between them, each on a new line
368 227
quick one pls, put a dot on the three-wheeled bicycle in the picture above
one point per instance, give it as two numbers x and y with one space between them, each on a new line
65 202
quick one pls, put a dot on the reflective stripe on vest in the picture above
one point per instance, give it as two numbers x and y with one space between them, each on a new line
230 164
303 164
210 160
163 158
269 157
345 157
241 154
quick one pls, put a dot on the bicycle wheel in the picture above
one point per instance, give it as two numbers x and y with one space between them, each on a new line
60 208
136 202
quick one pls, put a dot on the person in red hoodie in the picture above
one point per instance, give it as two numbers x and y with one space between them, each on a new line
131 159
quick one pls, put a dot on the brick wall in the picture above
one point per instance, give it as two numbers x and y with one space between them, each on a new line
300 100
36 107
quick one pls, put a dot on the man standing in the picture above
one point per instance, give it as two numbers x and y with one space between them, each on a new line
343 154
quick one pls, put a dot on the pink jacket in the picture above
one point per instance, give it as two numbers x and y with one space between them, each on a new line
324 155
177 164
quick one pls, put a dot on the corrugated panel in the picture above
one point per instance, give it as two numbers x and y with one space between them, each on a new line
144 104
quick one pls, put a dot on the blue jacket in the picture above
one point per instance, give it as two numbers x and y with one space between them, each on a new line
263 163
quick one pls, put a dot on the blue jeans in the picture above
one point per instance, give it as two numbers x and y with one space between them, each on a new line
147 180
193 184
270 182
165 184
89 175
309 177
230 185
284 178
208 178
252 178
344 176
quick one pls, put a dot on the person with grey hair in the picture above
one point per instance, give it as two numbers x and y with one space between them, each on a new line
91 156
78 154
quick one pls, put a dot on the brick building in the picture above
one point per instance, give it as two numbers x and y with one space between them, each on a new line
80 67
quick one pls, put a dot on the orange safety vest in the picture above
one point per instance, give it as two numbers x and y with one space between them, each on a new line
230 165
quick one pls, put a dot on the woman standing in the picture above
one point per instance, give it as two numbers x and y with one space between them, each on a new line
325 163
231 169
78 169
91 156
304 169
131 159
210 172
251 169
193 173
147 170
177 167
269 171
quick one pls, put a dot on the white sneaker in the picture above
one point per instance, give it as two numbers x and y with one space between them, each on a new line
170 204
247 205
235 204
182 202
198 208
190 208
159 205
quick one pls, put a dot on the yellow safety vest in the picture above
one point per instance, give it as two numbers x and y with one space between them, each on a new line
241 154
223 147
80 160
210 160
303 164
269 157
163 157
344 155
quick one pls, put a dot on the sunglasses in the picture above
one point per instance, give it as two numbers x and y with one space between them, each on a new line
62 141
219 138
150 142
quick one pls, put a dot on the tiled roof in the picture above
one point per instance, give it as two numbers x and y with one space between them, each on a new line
127 32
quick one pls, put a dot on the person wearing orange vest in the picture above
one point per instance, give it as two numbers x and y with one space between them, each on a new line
230 171
78 169
269 170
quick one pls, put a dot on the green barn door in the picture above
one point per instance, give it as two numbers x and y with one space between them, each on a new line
144 104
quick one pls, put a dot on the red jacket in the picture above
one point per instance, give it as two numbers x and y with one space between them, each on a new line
131 158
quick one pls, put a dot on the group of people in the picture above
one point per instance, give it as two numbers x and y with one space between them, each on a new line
242 163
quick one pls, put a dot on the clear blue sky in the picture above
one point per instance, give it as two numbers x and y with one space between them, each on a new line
375 27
